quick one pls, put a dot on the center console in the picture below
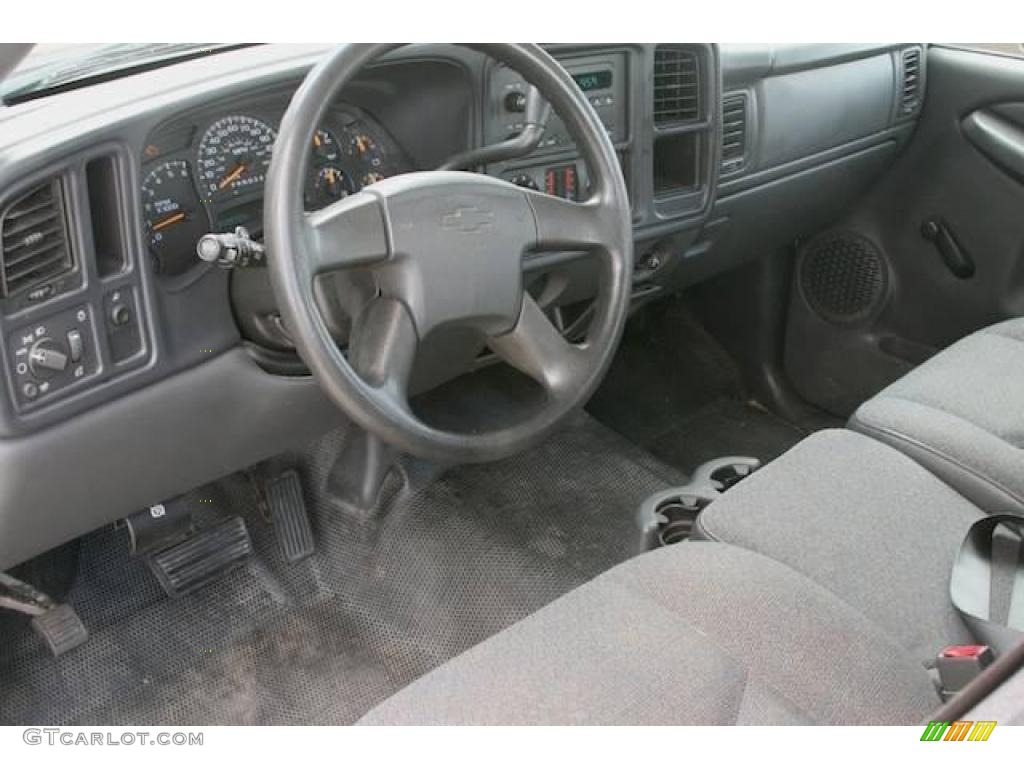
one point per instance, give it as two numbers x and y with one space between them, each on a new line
660 106
555 167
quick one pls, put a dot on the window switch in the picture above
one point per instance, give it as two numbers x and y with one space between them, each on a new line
76 348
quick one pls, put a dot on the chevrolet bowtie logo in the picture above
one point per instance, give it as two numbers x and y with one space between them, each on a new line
469 219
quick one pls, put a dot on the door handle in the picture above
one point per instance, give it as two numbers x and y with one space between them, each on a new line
954 256
998 139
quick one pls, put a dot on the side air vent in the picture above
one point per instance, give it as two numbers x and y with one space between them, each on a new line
734 132
910 97
33 239
676 86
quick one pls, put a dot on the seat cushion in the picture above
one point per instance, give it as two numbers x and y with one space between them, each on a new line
863 521
961 415
699 633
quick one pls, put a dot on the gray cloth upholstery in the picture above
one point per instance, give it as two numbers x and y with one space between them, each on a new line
961 415
699 633
863 521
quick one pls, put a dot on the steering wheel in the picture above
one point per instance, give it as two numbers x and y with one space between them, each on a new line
446 248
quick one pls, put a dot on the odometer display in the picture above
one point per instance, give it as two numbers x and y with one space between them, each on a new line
233 158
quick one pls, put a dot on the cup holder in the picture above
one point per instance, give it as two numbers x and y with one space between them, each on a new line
729 475
668 517
676 518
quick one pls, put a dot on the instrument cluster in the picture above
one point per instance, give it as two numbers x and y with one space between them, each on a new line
208 175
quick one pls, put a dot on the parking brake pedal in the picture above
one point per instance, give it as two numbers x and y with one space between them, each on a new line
202 557
57 624
288 513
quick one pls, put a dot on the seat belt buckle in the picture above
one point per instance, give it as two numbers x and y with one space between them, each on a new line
957 665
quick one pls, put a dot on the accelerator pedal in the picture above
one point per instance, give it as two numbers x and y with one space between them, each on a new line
202 558
60 628
289 516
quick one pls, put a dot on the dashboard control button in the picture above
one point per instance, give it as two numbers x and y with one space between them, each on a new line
76 347
524 180
30 390
47 358
120 314
515 101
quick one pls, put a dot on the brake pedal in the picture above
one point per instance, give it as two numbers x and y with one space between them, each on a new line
57 624
203 557
289 516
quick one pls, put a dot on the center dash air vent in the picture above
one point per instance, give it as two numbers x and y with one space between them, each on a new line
33 239
734 132
676 86
910 96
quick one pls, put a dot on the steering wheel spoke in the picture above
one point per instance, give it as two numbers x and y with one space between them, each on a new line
567 225
383 346
349 233
535 347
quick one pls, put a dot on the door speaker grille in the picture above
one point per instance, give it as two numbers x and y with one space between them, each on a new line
843 277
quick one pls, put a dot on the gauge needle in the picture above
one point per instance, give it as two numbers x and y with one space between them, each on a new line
164 223
239 170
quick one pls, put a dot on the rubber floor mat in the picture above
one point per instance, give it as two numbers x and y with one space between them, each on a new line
725 428
386 597
674 390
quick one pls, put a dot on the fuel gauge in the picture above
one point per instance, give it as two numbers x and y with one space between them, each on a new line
325 148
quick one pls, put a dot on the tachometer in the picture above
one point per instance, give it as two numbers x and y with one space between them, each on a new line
234 155
174 218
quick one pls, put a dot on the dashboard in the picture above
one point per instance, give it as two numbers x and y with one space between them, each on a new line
136 372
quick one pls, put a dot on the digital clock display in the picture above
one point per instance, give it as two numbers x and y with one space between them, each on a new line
593 81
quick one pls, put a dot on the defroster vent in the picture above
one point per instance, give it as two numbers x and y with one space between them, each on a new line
676 86
910 97
734 132
34 244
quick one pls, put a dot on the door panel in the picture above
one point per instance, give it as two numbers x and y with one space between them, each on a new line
947 222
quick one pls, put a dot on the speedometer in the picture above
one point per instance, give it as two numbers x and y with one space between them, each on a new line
234 155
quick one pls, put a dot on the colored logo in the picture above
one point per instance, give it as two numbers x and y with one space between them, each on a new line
959 730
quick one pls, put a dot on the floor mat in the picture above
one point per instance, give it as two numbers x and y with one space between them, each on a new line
386 597
674 391
724 427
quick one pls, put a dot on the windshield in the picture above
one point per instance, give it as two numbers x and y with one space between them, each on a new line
50 67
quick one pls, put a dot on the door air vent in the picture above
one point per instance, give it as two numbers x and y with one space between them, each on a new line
676 86
910 97
734 132
34 244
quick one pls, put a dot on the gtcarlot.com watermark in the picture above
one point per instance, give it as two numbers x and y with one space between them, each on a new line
74 738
